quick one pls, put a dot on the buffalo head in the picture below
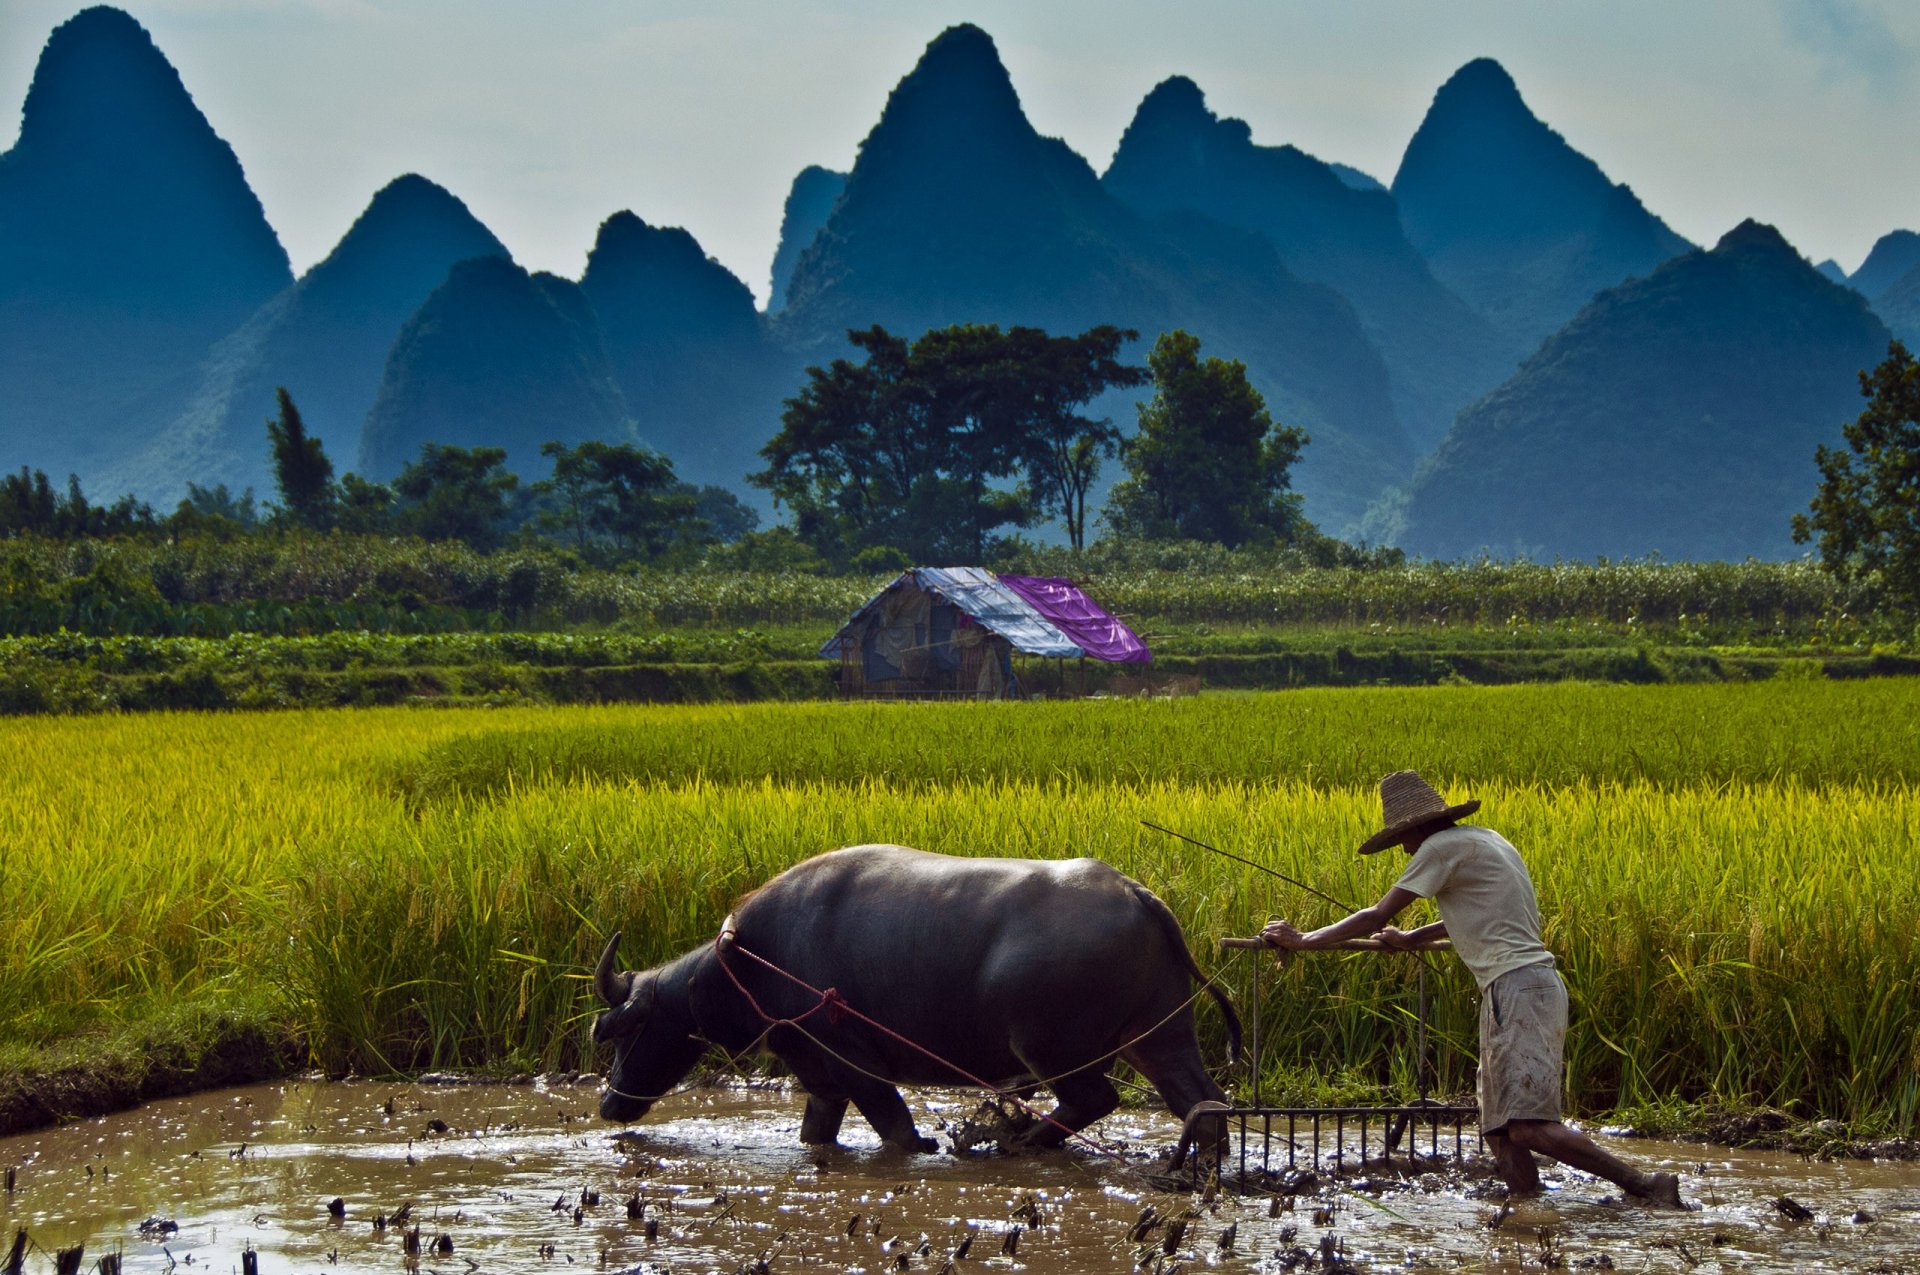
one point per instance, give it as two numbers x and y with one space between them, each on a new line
651 1030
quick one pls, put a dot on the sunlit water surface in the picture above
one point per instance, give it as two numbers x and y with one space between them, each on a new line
509 1174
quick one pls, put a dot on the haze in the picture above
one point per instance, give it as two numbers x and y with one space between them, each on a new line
547 118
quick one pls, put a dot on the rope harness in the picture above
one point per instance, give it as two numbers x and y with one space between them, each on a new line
838 1009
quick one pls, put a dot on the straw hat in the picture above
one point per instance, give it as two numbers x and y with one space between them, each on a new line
1408 802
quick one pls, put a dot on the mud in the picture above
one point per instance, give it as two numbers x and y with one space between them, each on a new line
529 1178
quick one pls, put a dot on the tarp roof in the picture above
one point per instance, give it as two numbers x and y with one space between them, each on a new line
1036 615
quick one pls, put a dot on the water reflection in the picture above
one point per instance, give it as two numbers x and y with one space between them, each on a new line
528 1177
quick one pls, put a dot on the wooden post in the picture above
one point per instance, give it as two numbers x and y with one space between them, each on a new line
17 1255
249 1262
66 1261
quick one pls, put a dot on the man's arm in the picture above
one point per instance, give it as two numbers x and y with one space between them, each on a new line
1407 940
1362 923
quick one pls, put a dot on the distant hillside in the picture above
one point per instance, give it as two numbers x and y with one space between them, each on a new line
496 357
1678 415
1355 178
326 339
1177 155
1899 308
1893 257
809 202
688 349
1511 217
129 242
958 211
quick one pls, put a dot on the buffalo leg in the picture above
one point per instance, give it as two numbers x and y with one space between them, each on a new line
887 1112
820 1126
1174 1069
1084 1097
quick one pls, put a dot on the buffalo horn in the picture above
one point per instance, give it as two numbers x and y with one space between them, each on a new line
614 987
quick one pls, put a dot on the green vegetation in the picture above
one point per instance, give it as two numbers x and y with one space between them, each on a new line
294 618
1208 462
402 890
1867 519
907 455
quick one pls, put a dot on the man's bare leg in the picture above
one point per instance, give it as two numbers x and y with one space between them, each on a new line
1554 1140
1516 1166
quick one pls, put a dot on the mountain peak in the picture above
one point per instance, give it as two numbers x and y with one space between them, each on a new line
1175 98
1481 83
1754 236
634 266
402 245
131 242
958 95
1510 215
1894 256
102 80
810 202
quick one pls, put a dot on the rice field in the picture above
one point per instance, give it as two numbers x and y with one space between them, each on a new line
1728 873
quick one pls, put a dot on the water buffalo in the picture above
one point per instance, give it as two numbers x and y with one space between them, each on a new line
1003 968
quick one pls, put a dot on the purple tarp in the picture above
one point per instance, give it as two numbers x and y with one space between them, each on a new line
1076 615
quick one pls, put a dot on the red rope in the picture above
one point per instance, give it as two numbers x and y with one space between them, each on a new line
837 1008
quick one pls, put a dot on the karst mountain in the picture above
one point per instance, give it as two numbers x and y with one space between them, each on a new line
1502 349
1676 415
129 243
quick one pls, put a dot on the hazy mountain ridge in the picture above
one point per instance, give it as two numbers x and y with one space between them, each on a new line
957 210
1177 155
1511 217
809 203
688 348
148 312
326 339
129 242
1893 256
496 357
1677 414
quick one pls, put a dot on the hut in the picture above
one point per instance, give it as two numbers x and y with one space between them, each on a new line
953 633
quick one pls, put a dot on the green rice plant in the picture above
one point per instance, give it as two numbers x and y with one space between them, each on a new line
1791 731
1725 872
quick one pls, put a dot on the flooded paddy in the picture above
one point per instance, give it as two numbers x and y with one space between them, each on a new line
527 1177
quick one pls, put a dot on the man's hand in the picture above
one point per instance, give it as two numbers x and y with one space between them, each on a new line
1281 934
1397 939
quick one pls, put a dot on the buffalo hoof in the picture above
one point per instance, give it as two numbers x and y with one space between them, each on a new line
1205 1128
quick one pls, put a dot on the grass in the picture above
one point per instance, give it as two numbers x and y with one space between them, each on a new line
1725 871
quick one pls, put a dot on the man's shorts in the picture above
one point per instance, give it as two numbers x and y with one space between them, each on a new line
1523 1029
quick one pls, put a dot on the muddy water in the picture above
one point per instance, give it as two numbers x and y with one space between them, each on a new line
502 1172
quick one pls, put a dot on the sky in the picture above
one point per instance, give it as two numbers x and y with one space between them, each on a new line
548 117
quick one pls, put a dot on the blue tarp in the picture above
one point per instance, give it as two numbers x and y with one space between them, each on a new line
981 595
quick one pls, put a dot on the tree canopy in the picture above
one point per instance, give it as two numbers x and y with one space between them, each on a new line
1866 515
300 467
930 447
1208 463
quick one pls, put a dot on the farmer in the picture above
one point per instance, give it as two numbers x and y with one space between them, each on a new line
1487 908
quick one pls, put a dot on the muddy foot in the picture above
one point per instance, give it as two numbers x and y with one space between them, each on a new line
1662 1189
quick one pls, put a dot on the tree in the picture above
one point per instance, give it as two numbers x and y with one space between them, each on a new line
1062 448
300 467
455 493
28 503
619 502
365 507
213 511
913 449
728 518
1866 514
1208 462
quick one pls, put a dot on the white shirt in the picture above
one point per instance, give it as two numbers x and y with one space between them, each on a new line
1481 886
